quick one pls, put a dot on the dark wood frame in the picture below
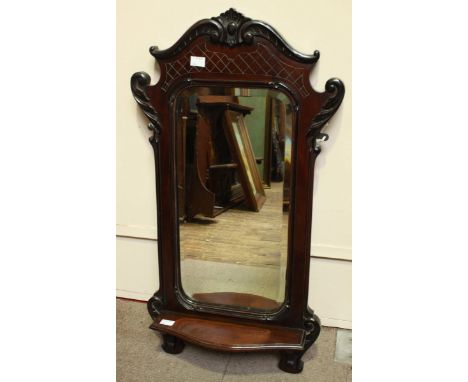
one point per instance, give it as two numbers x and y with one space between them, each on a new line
239 52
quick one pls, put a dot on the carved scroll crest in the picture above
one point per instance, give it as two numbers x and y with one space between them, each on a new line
233 28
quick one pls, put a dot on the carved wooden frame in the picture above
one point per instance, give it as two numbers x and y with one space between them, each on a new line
239 52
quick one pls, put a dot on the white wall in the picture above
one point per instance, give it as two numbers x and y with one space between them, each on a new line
307 25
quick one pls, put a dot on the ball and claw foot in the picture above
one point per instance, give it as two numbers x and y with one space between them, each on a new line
172 344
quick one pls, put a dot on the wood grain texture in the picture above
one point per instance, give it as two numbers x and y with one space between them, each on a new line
230 336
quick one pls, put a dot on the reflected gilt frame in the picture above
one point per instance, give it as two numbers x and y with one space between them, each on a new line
242 53
239 137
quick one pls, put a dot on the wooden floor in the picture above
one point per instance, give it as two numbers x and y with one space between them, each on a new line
240 236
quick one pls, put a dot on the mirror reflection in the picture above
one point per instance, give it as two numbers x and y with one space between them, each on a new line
233 149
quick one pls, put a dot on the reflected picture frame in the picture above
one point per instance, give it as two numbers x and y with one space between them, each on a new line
238 136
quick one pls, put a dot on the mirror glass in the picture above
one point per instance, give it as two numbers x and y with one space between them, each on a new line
233 156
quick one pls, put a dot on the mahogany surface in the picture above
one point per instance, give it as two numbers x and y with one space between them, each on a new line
239 53
229 336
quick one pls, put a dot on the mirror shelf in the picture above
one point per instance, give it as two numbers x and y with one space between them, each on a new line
236 131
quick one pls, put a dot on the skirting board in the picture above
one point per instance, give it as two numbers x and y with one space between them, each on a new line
317 250
331 252
137 231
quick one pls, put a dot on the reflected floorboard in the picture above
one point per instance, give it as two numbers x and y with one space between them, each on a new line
240 236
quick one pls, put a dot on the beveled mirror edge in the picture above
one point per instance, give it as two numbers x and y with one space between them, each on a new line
187 301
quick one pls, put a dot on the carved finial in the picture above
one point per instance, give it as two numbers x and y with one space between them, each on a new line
231 20
231 16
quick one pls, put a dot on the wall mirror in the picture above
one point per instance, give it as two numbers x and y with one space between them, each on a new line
236 130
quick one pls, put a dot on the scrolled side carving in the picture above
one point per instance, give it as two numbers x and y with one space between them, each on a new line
138 83
336 89
154 305
312 325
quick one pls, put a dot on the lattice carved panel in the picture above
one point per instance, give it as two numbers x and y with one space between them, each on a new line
258 62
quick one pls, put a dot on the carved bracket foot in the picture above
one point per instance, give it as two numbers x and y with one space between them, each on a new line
291 362
172 344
